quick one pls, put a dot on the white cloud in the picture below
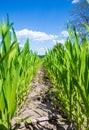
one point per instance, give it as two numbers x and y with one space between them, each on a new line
61 38
75 1
64 33
41 51
34 35
62 41
39 41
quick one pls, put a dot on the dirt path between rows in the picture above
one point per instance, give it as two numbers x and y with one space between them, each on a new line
39 108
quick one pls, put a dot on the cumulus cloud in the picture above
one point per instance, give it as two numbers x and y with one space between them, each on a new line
62 41
64 33
75 1
34 35
39 41
41 51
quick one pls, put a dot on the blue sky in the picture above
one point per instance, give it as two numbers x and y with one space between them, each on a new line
42 21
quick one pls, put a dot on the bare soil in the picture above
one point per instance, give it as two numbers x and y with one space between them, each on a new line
39 108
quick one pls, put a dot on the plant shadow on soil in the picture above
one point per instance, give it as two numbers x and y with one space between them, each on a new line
46 108
51 124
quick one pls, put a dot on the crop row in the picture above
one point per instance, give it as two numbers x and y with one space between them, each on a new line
68 69
17 67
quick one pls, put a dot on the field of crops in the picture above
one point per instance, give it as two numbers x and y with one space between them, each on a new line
17 68
68 69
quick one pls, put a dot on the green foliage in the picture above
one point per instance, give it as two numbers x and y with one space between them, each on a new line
68 68
16 71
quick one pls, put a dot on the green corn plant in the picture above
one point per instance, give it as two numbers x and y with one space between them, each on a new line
17 68
28 66
68 69
7 54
